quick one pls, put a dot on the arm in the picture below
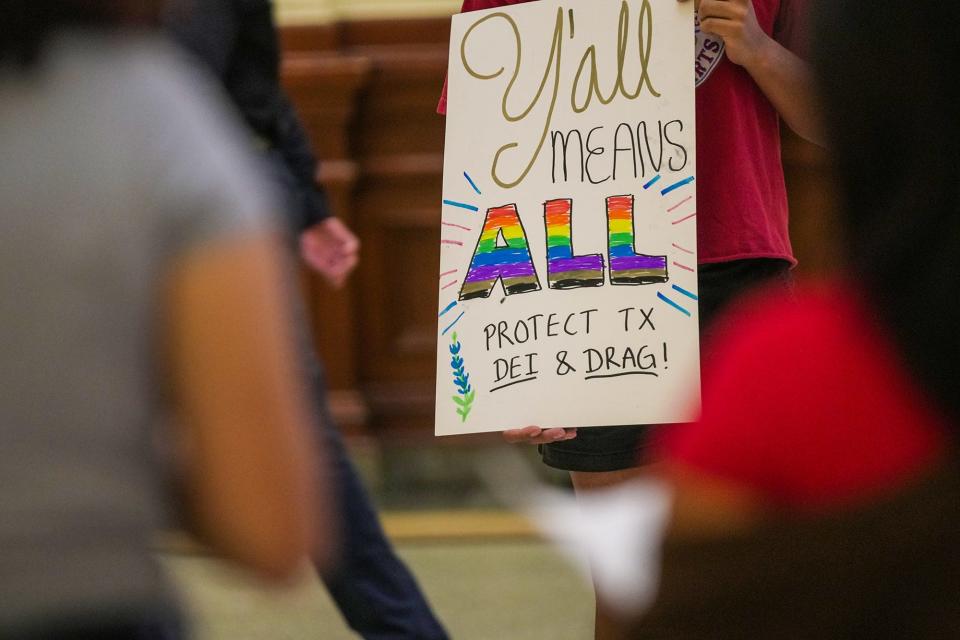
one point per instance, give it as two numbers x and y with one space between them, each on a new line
294 145
785 79
788 83
327 245
250 477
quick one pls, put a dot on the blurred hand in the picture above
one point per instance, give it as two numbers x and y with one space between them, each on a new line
736 22
537 435
331 249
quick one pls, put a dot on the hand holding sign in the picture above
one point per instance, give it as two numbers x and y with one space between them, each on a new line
736 22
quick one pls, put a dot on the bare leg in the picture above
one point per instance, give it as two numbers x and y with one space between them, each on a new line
605 626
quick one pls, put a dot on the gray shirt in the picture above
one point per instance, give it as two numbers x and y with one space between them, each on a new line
114 160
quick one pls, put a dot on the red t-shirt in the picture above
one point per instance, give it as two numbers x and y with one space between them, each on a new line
742 198
808 403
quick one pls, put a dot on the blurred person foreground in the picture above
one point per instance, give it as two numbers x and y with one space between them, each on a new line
237 42
817 496
145 299
817 501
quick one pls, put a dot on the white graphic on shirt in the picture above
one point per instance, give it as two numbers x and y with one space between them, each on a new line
709 53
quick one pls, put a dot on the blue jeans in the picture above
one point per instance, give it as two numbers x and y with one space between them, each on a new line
374 590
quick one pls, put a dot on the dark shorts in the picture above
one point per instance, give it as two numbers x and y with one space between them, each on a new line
616 448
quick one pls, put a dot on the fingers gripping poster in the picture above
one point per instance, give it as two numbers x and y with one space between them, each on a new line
567 283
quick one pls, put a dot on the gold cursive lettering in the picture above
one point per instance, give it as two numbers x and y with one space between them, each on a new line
554 63
551 74
645 44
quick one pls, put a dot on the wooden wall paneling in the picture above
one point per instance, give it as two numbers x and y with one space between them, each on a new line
324 89
311 38
426 32
399 145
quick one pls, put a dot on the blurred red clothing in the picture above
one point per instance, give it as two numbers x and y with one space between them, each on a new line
808 403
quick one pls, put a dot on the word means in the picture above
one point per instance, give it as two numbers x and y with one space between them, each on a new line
628 146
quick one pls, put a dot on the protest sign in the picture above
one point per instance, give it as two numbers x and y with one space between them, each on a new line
568 284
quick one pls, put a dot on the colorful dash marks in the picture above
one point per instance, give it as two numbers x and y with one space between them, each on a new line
564 270
493 260
511 261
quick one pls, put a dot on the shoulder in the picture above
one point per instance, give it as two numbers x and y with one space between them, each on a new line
174 108
168 76
195 155
142 80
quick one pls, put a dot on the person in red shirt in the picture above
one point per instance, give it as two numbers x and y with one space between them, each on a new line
747 81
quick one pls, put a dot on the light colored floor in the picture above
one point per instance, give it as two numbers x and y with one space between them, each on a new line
492 589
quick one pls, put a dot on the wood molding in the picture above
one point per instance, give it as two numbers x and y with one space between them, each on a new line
297 12
311 38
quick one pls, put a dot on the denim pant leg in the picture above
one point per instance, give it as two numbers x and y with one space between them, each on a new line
374 590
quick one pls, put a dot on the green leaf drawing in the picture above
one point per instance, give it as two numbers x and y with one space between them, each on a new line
461 380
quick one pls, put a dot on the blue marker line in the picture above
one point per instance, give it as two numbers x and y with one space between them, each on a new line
472 183
652 182
452 324
692 296
673 304
677 185
469 207
449 306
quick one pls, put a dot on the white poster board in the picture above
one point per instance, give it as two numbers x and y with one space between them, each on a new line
568 284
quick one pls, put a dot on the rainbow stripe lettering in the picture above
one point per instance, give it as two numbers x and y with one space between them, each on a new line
511 263
564 270
626 266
